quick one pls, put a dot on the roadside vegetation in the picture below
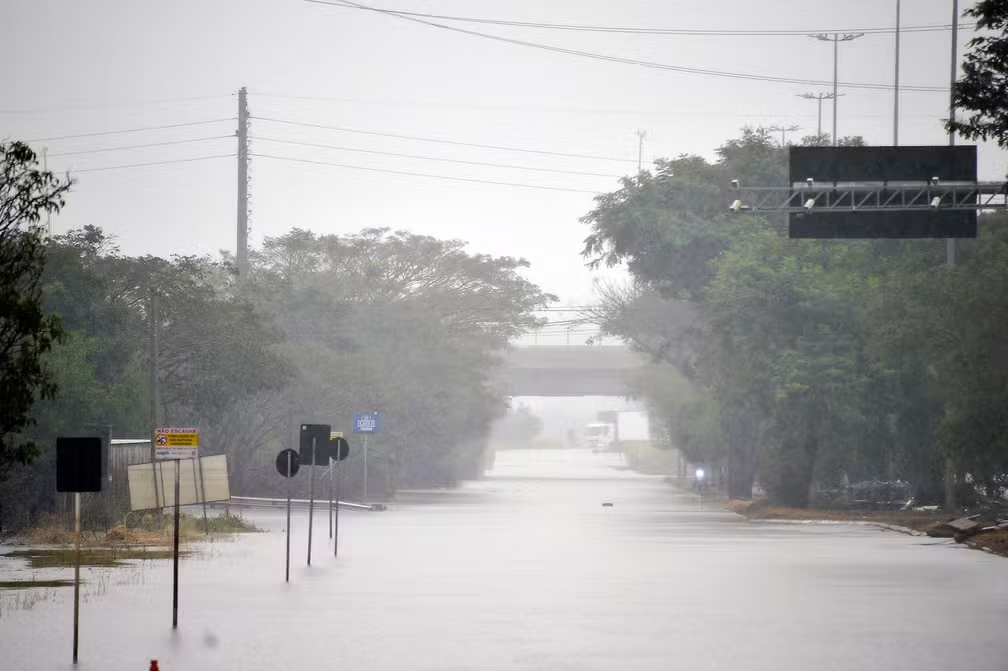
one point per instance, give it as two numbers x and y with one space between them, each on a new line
810 368
319 327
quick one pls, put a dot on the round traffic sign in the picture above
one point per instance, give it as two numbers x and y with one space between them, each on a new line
339 448
282 462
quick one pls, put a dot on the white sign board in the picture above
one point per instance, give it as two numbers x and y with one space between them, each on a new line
176 443
203 480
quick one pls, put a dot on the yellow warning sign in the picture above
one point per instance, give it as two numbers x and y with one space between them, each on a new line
176 443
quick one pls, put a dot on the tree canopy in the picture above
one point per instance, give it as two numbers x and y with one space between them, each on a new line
801 363
982 88
27 332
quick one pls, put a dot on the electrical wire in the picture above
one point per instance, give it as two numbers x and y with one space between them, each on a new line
142 146
642 31
540 109
632 61
440 141
423 174
136 103
130 130
141 165
437 158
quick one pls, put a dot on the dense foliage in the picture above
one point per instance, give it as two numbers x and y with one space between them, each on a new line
27 333
981 89
804 363
321 328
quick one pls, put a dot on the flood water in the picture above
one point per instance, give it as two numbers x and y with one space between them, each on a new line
527 570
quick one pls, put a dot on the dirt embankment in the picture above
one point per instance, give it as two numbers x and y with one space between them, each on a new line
927 522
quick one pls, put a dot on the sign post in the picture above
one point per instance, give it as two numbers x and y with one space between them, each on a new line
78 469
77 539
288 462
176 444
311 436
332 466
175 544
338 450
336 537
366 424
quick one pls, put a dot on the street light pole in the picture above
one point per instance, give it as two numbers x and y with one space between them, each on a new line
836 39
952 244
818 97
783 130
896 80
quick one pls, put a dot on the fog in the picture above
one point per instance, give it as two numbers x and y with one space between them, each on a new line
366 273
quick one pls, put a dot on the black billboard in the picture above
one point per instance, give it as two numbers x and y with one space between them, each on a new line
883 164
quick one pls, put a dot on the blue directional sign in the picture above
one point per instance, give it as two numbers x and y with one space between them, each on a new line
365 423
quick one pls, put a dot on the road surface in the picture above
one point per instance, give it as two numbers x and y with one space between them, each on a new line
527 570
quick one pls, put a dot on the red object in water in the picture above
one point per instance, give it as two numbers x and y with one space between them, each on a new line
154 666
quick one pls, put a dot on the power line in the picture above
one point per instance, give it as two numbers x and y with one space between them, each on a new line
142 146
440 141
423 174
637 30
141 165
628 61
129 130
135 103
437 158
561 110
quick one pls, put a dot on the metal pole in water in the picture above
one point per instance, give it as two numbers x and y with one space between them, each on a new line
364 497
336 519
175 548
289 485
331 462
77 539
311 496
202 492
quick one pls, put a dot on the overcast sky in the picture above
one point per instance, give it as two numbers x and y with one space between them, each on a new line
90 67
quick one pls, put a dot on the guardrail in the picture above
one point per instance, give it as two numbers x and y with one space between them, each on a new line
257 502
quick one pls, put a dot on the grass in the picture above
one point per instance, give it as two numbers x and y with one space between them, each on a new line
995 541
763 510
192 527
30 584
151 529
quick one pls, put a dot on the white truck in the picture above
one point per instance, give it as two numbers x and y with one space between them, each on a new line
599 436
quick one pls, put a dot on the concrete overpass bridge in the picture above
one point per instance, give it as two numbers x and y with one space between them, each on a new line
568 371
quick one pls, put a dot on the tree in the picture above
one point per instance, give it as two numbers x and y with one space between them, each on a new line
981 90
404 323
26 331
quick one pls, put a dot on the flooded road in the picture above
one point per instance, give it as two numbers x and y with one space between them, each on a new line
527 570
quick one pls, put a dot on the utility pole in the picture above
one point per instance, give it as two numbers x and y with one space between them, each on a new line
819 97
896 81
951 244
783 130
154 390
45 168
836 39
241 250
640 149
155 399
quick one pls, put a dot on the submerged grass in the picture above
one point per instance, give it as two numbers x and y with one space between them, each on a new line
42 558
31 584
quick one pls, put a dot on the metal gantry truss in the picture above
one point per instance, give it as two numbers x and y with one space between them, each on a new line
810 197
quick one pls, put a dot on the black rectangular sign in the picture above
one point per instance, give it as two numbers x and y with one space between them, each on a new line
883 164
78 464
320 432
